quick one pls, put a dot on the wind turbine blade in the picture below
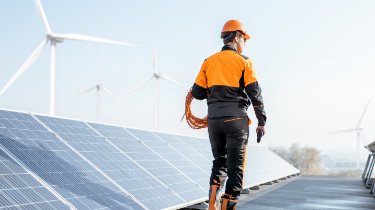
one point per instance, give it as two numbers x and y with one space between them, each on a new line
154 57
360 120
82 92
171 80
111 94
26 65
343 131
89 39
138 86
42 15
100 67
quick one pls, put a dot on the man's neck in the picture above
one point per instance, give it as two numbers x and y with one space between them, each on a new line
232 45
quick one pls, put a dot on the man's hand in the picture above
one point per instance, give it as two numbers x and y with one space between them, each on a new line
263 128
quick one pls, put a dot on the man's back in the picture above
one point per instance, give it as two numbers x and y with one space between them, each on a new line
225 75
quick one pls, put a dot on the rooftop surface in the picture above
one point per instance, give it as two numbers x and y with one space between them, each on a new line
310 192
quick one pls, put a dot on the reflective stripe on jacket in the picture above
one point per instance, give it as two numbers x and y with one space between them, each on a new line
230 79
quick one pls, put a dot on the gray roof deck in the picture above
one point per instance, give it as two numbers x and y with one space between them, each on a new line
310 192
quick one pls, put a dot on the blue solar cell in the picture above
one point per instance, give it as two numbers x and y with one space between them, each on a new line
149 160
113 163
201 174
19 189
174 176
198 145
46 155
205 142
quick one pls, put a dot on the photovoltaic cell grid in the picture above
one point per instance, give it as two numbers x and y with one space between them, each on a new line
47 157
66 172
19 190
111 161
204 142
136 181
168 174
200 173
196 144
19 134
262 166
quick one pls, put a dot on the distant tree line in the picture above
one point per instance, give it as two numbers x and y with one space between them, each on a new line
306 159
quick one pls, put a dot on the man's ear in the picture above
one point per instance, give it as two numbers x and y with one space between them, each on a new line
236 39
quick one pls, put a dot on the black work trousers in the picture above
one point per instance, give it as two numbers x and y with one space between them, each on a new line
228 137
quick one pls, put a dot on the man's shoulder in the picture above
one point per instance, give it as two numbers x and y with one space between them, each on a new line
213 56
243 56
225 53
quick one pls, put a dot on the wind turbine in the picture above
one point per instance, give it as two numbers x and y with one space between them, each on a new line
359 133
157 76
98 87
53 38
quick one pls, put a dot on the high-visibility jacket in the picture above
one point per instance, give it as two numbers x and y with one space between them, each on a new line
230 80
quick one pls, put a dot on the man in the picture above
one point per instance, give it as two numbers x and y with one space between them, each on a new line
228 79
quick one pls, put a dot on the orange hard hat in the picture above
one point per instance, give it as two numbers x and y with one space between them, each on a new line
235 25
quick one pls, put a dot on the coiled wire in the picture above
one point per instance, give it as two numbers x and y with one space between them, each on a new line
193 121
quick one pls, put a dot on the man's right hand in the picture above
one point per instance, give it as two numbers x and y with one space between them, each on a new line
263 128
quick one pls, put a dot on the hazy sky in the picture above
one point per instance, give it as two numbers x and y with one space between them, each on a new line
315 61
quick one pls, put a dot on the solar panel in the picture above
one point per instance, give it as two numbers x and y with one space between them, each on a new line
19 189
131 176
262 165
112 162
200 176
172 165
55 163
58 166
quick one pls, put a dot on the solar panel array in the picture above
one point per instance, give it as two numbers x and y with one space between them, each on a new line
56 163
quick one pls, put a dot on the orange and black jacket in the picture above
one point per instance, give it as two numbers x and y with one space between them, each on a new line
228 79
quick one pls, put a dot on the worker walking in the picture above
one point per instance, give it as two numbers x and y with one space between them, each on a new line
228 80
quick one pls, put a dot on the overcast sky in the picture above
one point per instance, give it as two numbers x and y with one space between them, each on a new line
315 61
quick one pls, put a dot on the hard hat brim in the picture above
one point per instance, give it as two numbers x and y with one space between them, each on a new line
247 37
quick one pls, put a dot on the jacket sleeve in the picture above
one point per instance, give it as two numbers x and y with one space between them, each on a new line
254 92
199 90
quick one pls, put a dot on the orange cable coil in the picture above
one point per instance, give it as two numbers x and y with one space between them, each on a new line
193 121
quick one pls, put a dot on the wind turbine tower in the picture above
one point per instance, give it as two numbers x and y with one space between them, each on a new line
98 87
359 133
53 38
157 76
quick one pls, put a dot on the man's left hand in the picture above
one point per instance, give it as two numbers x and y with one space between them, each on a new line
263 128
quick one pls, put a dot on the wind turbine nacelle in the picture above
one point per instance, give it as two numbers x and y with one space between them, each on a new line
52 37
157 75
59 40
